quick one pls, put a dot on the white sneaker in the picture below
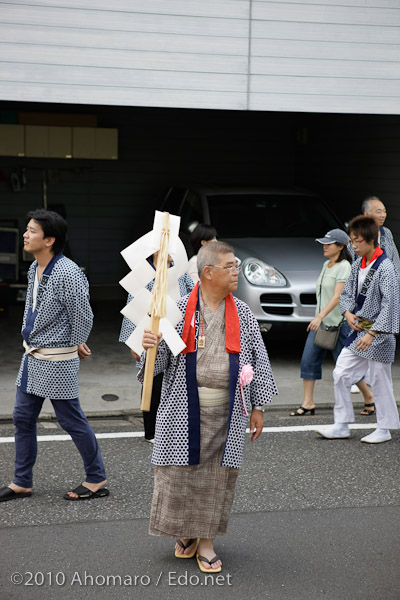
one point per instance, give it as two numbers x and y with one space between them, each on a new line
354 389
378 436
334 432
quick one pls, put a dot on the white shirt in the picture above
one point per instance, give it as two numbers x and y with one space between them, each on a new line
362 274
35 290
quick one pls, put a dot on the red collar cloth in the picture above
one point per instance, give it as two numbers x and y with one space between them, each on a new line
378 252
232 325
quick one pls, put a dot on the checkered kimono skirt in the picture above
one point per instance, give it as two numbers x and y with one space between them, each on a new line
196 500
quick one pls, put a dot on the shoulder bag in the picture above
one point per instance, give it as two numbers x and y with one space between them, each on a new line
327 336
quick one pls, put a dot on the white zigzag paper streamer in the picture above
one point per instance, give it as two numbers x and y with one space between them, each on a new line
142 274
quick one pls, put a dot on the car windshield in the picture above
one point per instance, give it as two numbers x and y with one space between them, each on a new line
269 215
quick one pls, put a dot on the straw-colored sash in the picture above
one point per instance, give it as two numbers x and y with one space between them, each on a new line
213 397
52 354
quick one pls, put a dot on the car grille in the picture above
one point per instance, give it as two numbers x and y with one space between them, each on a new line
269 304
278 310
308 299
282 304
276 298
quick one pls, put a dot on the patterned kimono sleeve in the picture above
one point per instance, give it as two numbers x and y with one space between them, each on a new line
127 326
392 252
347 297
161 364
263 386
388 318
185 284
76 301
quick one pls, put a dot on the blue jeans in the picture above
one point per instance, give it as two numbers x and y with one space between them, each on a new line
311 360
71 418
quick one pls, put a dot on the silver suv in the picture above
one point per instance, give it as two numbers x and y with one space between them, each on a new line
273 233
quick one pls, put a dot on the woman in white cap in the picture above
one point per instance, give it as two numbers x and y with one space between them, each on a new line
330 284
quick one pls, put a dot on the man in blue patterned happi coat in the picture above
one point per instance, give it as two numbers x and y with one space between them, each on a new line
370 304
204 408
56 325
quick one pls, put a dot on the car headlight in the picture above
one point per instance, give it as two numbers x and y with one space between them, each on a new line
258 272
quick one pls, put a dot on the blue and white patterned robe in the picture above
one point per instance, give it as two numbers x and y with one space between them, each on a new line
387 244
185 287
64 318
381 306
177 438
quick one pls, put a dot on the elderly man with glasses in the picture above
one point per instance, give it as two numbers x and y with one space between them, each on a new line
203 413
374 208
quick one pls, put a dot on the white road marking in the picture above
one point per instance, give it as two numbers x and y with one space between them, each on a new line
137 434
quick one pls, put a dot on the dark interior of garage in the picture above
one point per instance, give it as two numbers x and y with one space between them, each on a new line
110 203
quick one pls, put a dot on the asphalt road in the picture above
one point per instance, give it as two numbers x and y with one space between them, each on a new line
313 519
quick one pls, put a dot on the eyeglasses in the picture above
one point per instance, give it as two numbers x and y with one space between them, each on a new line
356 242
232 270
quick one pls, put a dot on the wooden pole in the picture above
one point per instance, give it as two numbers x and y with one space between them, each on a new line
158 311
149 368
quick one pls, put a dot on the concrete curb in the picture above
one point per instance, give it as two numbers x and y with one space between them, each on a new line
136 412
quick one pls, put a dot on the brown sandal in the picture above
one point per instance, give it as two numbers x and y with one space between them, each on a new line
366 411
194 541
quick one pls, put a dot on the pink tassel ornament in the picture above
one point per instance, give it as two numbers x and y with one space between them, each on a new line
245 378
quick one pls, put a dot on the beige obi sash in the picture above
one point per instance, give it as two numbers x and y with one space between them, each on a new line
52 354
213 397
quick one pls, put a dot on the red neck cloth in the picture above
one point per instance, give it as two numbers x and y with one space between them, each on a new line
376 254
232 325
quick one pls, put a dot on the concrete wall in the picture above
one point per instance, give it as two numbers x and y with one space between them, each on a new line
309 55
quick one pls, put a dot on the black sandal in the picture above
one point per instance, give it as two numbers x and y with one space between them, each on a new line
85 494
304 412
6 493
368 412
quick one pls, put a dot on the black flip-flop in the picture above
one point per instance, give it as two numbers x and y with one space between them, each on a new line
85 494
6 493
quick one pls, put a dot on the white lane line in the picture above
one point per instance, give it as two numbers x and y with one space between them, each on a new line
67 438
137 434
296 428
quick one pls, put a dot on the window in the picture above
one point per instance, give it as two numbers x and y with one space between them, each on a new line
270 215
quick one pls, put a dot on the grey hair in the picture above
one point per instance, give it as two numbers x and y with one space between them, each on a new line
365 204
209 254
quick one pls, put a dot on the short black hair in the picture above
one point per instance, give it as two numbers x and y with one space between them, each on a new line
366 227
53 225
202 232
